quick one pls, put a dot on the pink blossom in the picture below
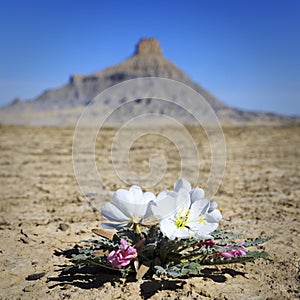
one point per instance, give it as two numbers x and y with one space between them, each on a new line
122 257
235 252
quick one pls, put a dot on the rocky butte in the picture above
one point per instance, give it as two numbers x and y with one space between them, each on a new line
63 106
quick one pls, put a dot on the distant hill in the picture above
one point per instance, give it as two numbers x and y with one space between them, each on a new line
63 106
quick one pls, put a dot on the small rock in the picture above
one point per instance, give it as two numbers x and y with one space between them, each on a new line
63 226
36 276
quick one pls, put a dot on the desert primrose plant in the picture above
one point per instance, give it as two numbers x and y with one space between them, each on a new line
181 239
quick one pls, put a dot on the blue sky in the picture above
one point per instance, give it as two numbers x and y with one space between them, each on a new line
247 53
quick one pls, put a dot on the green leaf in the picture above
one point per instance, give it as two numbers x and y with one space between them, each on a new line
130 235
258 254
257 241
160 270
194 268
225 235
174 272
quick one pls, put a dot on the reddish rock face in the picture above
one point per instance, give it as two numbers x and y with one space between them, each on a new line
148 46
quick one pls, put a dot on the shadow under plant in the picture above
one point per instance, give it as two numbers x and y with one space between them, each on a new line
91 276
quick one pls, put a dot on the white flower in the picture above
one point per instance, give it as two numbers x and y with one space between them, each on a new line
128 208
168 202
205 218
176 223
172 208
205 214
185 213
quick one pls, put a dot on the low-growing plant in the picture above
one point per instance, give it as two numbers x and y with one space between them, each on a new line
183 239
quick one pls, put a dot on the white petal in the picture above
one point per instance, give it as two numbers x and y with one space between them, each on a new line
116 226
169 203
139 210
165 205
144 208
199 207
136 193
162 195
122 195
149 199
148 196
149 212
182 184
204 228
133 203
183 233
214 217
212 206
123 200
169 229
183 199
165 193
202 237
197 194
113 213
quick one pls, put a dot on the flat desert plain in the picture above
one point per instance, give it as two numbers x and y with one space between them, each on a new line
43 214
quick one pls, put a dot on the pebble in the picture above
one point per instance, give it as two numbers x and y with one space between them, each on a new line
36 276
63 226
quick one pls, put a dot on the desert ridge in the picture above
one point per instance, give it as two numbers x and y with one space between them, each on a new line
63 106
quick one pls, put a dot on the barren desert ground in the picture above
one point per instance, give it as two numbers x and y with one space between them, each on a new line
44 213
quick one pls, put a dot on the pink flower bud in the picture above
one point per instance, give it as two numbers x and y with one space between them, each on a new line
122 257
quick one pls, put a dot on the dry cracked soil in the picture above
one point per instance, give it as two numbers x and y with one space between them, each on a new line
43 213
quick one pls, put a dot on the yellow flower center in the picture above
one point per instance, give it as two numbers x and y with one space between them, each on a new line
202 219
182 218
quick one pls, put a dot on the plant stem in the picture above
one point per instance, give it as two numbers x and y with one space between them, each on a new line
137 228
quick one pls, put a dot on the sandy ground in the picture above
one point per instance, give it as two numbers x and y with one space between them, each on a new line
42 213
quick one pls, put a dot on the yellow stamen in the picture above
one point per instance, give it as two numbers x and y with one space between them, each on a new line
182 218
202 219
